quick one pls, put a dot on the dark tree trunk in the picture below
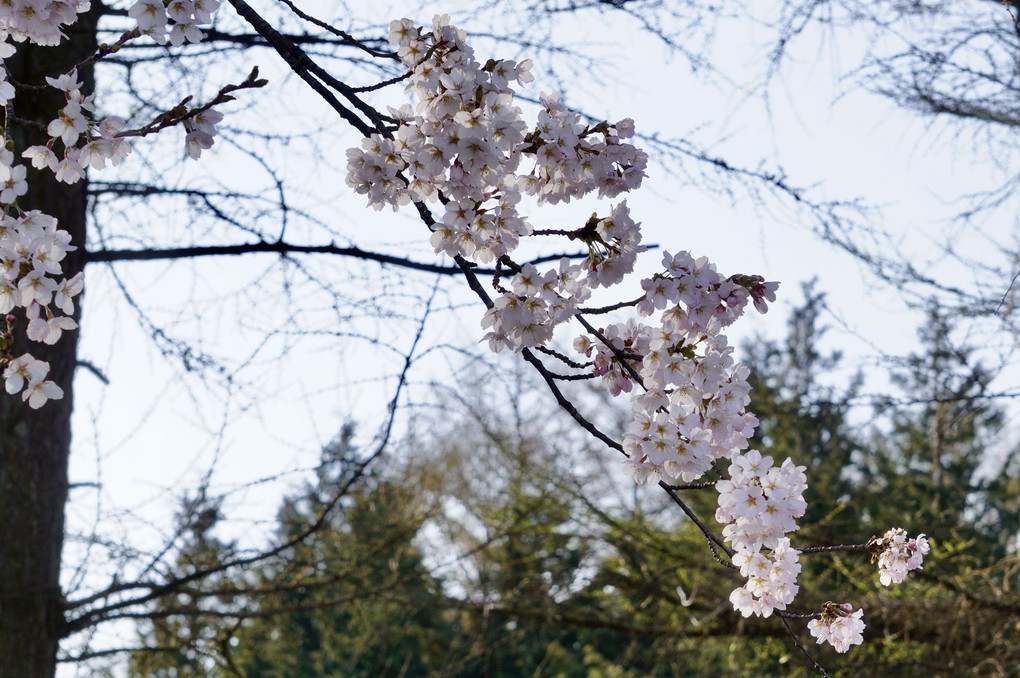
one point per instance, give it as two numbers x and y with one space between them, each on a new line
34 444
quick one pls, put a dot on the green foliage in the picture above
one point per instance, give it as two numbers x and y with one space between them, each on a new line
354 600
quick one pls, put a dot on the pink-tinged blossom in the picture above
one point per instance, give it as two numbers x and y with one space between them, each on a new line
29 374
197 141
36 287
150 15
898 554
69 170
185 31
180 10
203 10
7 91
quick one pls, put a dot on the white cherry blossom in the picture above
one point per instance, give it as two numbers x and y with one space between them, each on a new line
839 626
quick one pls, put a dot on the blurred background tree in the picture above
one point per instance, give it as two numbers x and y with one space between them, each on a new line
504 554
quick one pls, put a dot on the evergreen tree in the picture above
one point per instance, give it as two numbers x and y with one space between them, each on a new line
355 598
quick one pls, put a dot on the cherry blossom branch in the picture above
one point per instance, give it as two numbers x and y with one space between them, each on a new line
694 486
179 113
106 50
278 247
713 540
282 247
462 148
316 77
343 35
572 377
476 286
563 359
625 359
602 310
835 548
382 84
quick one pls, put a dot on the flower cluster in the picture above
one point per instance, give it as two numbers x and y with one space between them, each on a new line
839 626
86 142
758 505
466 141
691 414
898 555
527 315
616 349
31 249
187 16
39 23
573 159
771 579
27 371
201 130
692 409
31 245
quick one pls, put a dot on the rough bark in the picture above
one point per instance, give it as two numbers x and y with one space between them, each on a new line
35 444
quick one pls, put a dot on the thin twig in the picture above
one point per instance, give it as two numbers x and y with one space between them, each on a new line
796 641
